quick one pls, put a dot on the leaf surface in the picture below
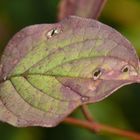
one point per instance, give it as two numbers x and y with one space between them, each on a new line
48 70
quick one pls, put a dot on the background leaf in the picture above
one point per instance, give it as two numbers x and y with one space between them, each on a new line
92 9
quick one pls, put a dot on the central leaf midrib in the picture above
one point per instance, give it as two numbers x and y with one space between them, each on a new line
46 74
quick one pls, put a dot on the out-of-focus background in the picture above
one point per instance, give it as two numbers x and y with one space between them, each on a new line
122 109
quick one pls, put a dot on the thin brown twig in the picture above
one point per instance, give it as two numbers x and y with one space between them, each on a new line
87 113
102 128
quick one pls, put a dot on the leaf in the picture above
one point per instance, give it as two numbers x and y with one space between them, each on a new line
49 70
92 9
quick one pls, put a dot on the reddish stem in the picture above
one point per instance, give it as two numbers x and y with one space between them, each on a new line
102 128
87 113
89 117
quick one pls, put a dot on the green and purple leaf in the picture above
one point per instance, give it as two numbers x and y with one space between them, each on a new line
48 70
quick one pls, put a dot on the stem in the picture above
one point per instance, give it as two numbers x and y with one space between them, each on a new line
89 117
87 113
102 128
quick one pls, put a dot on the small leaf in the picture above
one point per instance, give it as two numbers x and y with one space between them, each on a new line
48 70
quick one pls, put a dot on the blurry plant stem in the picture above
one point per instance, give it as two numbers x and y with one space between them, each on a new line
101 128
87 113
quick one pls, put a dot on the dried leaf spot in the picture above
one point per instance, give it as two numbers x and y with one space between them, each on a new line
20 35
97 73
15 61
84 99
125 69
110 73
53 32
92 87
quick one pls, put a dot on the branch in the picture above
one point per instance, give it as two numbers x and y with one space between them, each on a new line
87 113
102 128
89 117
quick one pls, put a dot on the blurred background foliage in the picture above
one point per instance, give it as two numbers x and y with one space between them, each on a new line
122 109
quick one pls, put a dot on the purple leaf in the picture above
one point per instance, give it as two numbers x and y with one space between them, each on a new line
48 70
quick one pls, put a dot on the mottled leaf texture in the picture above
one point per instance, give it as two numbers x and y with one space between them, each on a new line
49 70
